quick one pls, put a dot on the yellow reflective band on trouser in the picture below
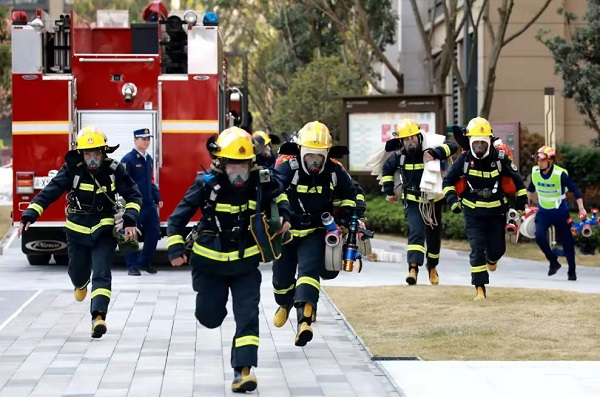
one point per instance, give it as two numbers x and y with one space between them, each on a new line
484 174
246 341
449 189
284 291
415 247
433 256
281 197
310 281
482 204
348 203
478 269
89 230
133 206
224 256
174 239
36 207
412 167
387 178
101 292
302 232
446 149
88 187
337 203
522 192
360 197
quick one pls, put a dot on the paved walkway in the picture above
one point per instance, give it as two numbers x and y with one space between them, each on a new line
154 346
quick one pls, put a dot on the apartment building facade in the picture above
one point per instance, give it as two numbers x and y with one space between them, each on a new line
524 69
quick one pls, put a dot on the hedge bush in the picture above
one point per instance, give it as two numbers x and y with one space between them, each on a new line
386 217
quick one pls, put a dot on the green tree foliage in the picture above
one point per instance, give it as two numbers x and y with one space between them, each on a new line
5 64
366 27
577 60
311 93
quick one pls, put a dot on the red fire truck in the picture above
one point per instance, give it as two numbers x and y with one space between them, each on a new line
167 74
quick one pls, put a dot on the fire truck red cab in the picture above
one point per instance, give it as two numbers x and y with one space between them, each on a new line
166 74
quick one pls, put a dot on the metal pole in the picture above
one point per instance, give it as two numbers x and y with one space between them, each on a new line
550 137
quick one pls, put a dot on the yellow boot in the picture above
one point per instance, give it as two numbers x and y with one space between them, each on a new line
80 294
243 380
492 267
411 279
305 332
281 315
434 278
98 327
481 295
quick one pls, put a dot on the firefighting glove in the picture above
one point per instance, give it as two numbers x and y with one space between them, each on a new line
456 207
28 217
433 154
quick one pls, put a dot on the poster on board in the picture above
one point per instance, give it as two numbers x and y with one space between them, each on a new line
368 132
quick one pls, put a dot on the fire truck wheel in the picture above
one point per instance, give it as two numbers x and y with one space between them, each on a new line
61 260
38 260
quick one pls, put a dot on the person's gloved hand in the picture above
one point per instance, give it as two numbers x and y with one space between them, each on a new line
456 207
392 198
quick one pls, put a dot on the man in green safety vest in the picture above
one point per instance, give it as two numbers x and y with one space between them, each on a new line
551 182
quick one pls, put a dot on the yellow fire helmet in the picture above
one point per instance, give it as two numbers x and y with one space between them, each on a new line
315 135
91 137
235 144
479 127
407 127
266 138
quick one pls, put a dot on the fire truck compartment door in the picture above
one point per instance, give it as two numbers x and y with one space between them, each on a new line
119 126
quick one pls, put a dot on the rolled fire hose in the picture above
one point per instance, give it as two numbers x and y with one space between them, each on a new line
333 244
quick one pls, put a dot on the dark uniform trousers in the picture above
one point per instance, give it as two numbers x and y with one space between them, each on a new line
559 219
149 225
308 253
93 258
419 233
211 299
485 233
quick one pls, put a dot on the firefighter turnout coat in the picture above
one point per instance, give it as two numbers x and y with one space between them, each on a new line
90 211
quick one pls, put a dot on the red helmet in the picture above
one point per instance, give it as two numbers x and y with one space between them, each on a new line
545 152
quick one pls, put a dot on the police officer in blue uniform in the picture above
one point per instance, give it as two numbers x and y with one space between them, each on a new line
140 167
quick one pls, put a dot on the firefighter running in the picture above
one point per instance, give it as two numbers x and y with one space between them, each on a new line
483 200
424 215
313 180
263 142
225 256
91 180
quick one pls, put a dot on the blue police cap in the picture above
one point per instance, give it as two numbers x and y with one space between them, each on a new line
142 133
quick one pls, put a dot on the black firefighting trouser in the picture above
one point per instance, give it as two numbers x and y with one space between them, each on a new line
211 300
93 258
419 234
485 233
308 253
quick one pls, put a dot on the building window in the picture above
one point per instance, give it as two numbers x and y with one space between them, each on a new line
436 10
